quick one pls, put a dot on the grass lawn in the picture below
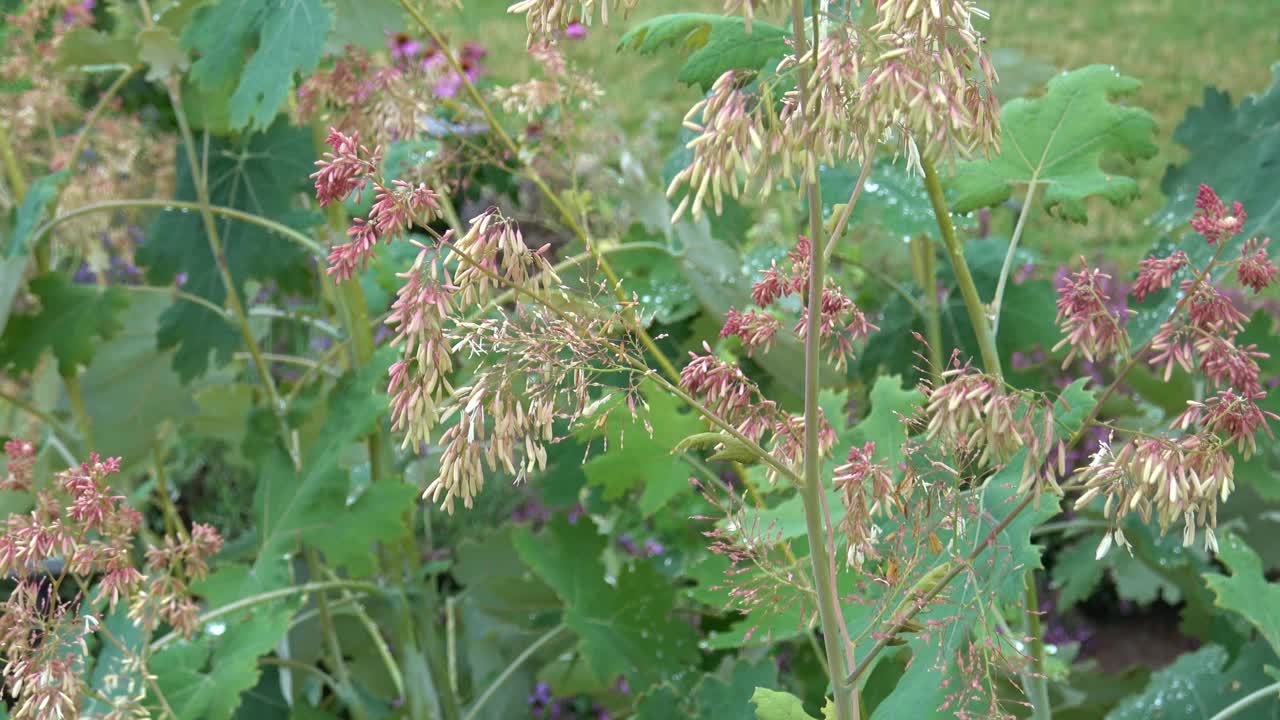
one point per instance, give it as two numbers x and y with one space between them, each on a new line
1175 47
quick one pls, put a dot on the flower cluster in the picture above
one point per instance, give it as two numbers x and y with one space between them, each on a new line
866 489
1182 474
347 170
918 78
841 322
1090 326
78 542
976 416
560 86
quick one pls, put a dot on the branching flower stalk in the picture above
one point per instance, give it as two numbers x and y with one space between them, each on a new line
846 698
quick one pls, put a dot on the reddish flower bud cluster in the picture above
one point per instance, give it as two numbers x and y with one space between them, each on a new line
842 322
1256 271
1212 219
348 170
866 489
79 531
1183 474
1089 325
1157 273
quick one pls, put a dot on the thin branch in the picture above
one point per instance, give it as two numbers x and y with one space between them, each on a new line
528 652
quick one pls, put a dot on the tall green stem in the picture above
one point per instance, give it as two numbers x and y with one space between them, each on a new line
983 324
812 488
964 279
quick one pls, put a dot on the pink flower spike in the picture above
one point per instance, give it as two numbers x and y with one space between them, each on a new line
1256 270
1212 220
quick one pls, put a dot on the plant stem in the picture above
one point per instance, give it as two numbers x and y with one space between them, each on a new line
13 171
933 309
1238 706
224 271
266 597
279 228
972 302
56 426
1038 690
812 488
545 638
997 302
337 662
78 411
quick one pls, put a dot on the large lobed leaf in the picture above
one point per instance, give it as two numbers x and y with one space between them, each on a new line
1236 151
259 174
70 319
15 249
1246 590
624 627
1057 142
289 36
718 44
632 459
1200 684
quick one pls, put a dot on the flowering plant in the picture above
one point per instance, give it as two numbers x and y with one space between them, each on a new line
434 401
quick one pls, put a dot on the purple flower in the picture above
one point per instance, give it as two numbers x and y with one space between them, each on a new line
653 548
403 46
575 31
85 274
629 545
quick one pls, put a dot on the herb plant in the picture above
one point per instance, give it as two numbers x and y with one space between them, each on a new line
350 372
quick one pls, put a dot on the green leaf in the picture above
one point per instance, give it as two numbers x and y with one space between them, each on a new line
130 389
1235 150
293 506
70 317
777 705
892 199
1246 590
634 459
730 699
259 174
1057 142
290 37
718 44
113 672
1076 572
158 48
624 627
891 400
203 679
1200 684
16 247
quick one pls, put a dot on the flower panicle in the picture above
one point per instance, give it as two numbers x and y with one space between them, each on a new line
80 530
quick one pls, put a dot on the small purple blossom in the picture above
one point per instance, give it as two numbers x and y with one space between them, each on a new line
575 31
